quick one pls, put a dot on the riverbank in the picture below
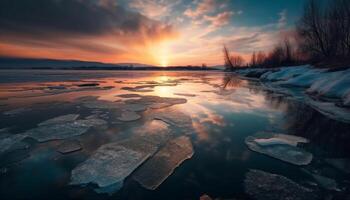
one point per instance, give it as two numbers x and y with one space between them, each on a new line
328 90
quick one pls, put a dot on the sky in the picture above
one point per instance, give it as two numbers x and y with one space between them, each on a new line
155 32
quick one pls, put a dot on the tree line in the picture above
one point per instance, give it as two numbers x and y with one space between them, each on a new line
322 36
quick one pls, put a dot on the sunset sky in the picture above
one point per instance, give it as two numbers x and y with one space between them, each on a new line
156 32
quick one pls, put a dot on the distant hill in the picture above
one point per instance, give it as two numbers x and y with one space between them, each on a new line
29 63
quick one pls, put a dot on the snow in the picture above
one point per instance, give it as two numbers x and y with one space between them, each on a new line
282 147
322 84
266 186
285 73
280 139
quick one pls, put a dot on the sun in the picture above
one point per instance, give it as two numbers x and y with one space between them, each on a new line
164 63
161 53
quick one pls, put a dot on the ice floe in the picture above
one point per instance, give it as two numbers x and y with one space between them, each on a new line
10 142
180 122
17 111
279 146
158 168
261 185
112 163
60 119
185 94
129 95
63 129
342 164
324 182
134 107
69 146
128 116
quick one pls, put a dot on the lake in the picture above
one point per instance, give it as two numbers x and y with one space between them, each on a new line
213 114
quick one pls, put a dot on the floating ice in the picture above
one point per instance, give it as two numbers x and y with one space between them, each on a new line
141 88
88 85
11 142
127 116
159 105
69 146
129 95
185 94
281 147
324 182
63 130
181 122
261 185
17 111
113 162
60 119
205 197
280 139
134 107
158 168
152 128
156 102
342 164
101 104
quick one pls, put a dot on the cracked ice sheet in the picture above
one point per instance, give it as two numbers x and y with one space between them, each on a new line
112 163
280 147
157 169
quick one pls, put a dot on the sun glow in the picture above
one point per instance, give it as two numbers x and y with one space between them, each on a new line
161 53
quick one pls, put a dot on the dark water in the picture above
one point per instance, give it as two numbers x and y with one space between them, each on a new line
224 110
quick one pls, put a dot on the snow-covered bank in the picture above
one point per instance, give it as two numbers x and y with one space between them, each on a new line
319 86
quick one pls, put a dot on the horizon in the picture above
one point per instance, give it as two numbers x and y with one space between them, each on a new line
157 32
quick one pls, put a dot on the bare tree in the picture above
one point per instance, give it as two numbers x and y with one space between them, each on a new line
253 61
227 58
237 61
260 58
325 30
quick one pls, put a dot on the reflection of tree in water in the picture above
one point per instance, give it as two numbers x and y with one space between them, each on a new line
333 137
231 81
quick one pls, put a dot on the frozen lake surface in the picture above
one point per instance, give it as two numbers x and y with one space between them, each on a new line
164 135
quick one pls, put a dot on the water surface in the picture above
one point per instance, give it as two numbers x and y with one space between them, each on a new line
221 108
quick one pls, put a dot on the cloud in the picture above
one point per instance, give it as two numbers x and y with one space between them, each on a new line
91 28
203 7
282 21
82 17
220 19
154 8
